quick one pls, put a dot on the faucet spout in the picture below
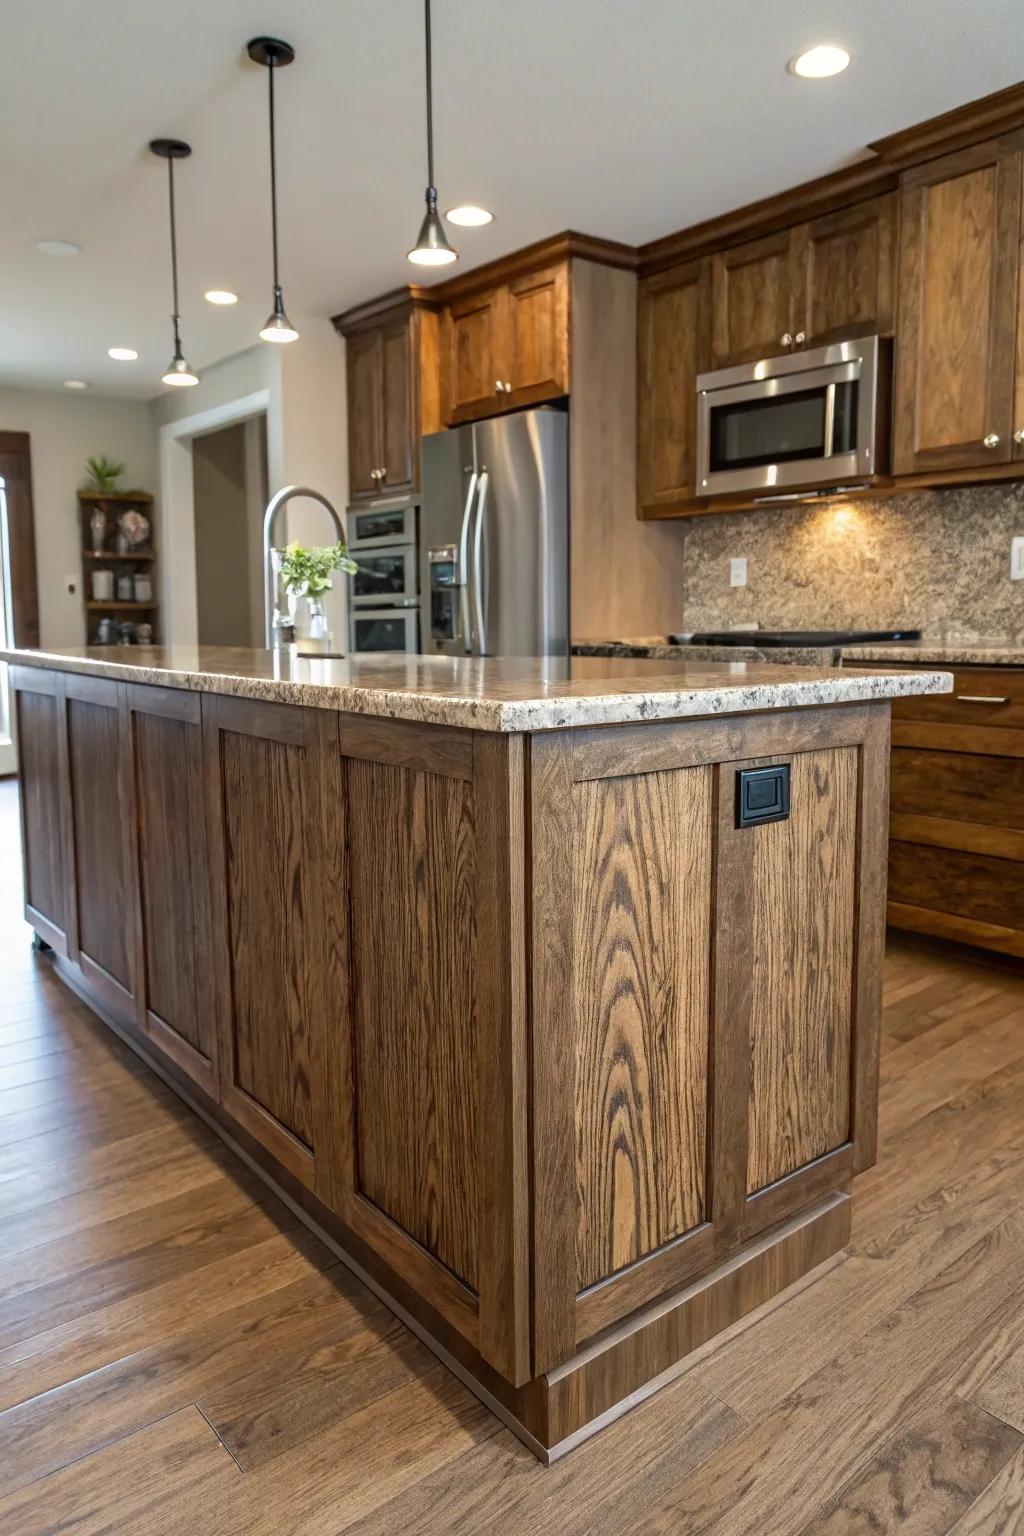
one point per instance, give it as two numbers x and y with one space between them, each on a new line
270 610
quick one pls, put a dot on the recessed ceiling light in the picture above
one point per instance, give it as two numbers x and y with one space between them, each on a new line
57 247
220 296
470 215
819 62
122 354
75 384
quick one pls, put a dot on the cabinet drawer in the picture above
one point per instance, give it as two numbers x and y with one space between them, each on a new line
959 786
981 696
969 885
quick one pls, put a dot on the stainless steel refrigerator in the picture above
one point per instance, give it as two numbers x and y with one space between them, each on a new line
494 537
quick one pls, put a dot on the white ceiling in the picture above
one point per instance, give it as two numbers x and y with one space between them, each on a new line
622 118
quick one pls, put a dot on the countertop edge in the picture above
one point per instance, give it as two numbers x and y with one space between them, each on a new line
513 716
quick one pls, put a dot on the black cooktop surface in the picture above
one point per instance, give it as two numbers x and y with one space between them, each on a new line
795 637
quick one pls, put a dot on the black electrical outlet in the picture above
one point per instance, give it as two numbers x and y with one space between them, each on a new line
762 794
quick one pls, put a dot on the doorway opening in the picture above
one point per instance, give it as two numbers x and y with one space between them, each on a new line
229 494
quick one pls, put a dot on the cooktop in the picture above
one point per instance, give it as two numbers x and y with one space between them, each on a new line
794 637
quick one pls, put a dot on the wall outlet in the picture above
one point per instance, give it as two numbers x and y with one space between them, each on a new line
1017 558
738 571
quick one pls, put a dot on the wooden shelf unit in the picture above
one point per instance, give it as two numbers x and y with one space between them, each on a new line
114 503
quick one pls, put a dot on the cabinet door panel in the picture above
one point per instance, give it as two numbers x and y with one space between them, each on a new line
473 353
641 1010
960 230
42 812
173 881
973 886
845 281
537 364
751 300
101 829
802 905
674 346
412 874
364 367
397 448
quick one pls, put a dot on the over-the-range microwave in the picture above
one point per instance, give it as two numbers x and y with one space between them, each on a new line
788 425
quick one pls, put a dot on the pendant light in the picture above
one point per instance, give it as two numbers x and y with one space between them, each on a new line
431 248
273 54
178 371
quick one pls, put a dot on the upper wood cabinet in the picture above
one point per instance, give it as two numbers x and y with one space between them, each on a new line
752 300
673 347
507 346
392 399
804 286
958 275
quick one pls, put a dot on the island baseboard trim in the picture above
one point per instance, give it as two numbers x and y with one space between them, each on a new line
603 1381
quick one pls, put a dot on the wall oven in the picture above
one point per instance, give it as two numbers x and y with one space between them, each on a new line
383 592
384 629
807 421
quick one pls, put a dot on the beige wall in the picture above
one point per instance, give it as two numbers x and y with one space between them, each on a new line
65 429
939 560
227 538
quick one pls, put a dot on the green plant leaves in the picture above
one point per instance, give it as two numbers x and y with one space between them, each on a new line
307 572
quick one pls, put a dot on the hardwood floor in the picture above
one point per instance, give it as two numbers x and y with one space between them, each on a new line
177 1353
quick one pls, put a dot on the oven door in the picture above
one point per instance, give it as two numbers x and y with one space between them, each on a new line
384 629
811 422
387 575
376 527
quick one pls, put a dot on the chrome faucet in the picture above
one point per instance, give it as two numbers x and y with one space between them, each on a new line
275 620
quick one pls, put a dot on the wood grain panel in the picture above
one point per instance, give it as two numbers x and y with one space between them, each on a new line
41 795
397 432
472 349
846 282
971 885
960 786
960 228
412 881
642 904
980 696
538 331
364 372
751 300
802 873
263 805
673 343
100 832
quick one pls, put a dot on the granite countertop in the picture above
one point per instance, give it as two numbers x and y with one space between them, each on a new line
987 651
499 694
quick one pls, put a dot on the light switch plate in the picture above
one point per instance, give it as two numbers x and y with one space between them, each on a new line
738 571
1017 558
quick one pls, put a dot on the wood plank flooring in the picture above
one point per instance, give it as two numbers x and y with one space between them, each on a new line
178 1354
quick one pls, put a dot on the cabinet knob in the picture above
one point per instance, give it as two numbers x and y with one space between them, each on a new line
1018 436
382 474
374 475
991 440
508 387
786 339
498 386
800 338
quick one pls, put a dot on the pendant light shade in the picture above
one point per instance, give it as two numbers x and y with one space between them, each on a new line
273 54
432 248
178 371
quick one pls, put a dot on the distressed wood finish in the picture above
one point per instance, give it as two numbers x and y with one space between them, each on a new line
175 991
412 874
40 726
673 346
642 928
803 877
959 254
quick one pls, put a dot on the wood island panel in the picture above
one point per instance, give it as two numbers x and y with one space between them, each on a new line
39 724
803 902
642 904
412 882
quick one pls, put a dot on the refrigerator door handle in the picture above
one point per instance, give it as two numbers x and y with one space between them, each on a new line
467 632
477 589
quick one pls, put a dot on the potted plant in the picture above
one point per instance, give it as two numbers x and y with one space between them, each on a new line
104 473
307 573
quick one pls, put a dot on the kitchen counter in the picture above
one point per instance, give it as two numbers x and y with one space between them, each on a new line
569 1038
506 695
986 651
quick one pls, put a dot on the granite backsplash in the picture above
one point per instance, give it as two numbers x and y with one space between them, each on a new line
936 560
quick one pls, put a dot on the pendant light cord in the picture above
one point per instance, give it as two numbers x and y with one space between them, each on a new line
174 252
430 99
273 171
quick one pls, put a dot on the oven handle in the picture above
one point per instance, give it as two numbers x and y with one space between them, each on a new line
467 633
830 419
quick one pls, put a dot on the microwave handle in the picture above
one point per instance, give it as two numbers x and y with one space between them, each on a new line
830 419
466 626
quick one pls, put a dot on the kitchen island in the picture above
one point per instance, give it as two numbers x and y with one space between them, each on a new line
549 991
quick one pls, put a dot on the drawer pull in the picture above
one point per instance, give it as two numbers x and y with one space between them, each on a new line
982 698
